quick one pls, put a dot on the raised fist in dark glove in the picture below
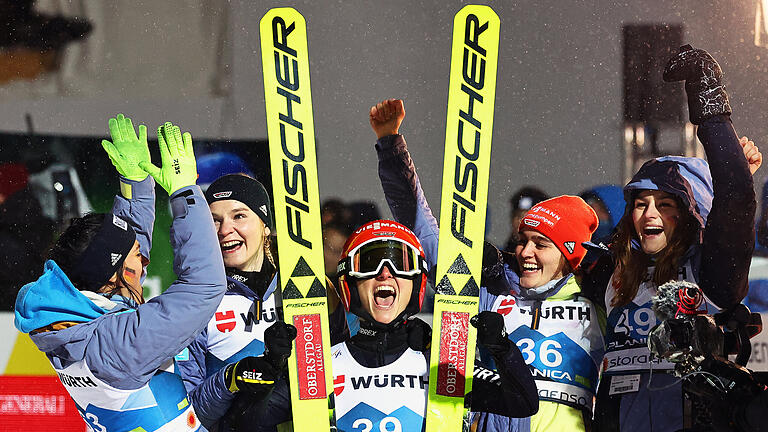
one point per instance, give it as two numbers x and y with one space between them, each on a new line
254 375
419 334
278 339
493 265
703 83
490 332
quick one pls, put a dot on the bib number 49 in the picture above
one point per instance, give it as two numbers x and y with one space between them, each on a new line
639 321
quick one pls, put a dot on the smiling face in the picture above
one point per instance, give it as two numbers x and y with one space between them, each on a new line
241 234
385 296
540 261
655 215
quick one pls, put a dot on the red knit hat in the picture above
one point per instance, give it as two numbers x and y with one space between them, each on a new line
566 220
13 178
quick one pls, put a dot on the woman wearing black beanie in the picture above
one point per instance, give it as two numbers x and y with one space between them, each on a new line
235 338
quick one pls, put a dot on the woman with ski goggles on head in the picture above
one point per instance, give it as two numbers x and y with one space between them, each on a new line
556 328
247 333
684 219
381 374
114 352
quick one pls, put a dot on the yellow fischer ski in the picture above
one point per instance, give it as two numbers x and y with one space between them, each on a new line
466 166
293 163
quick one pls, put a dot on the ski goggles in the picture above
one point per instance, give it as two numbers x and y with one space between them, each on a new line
368 259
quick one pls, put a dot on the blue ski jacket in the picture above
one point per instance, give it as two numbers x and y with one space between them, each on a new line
125 351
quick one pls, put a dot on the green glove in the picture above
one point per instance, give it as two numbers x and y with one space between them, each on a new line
179 167
126 149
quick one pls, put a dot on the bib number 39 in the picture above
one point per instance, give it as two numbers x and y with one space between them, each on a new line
387 424
547 352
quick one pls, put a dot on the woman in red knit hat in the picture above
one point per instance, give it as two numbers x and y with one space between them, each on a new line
546 315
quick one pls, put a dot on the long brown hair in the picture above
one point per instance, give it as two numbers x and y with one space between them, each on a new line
632 263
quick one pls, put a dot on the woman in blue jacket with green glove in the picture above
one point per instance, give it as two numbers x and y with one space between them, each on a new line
114 352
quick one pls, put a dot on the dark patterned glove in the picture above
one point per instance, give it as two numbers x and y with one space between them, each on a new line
703 83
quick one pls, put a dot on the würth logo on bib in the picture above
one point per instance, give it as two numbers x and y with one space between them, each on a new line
225 321
506 306
338 384
309 356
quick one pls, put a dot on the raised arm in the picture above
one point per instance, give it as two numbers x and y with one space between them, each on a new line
159 329
729 236
398 177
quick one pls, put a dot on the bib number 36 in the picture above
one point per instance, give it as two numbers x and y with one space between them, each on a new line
547 352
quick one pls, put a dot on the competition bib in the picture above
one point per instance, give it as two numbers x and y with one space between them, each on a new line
388 398
237 330
159 406
628 327
561 341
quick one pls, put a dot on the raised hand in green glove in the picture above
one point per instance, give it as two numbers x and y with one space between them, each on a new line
179 167
126 150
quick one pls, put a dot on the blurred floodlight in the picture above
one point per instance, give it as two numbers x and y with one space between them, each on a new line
629 134
640 135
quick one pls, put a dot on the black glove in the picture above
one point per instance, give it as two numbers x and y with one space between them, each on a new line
490 332
278 339
254 375
493 265
257 375
419 334
703 83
